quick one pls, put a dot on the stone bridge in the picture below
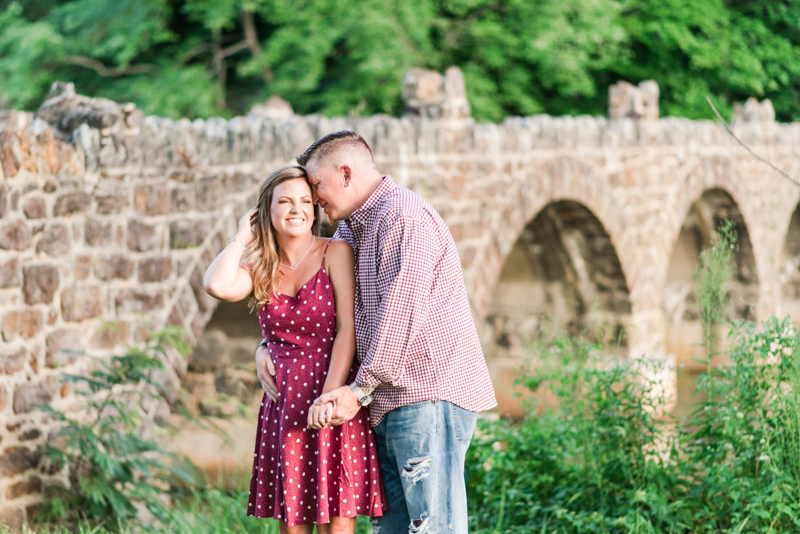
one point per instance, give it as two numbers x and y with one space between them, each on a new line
594 222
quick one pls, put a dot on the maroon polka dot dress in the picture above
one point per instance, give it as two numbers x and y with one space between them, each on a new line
302 475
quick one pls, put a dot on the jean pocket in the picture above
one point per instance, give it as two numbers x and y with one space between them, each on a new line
412 419
463 423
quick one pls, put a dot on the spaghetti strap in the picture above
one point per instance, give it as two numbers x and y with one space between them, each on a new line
325 252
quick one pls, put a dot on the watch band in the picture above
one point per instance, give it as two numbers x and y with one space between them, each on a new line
364 399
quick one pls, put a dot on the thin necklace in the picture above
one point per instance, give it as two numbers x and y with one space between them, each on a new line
293 267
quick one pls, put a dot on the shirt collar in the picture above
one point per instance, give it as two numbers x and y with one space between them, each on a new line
361 214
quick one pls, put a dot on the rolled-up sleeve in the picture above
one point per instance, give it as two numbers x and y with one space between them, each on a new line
405 276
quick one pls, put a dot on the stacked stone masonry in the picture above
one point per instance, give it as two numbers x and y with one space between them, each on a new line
102 237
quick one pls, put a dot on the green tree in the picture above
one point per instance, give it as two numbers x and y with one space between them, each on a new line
731 50
198 58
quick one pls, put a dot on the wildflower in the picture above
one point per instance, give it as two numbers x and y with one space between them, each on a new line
487 466
763 458
787 351
740 415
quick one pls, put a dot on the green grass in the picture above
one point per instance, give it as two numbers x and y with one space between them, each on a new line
202 512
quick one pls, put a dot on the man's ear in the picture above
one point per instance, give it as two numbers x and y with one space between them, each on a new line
346 174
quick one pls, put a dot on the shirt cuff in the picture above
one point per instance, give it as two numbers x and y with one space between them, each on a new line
366 381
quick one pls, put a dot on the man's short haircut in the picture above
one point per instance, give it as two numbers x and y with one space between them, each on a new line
331 143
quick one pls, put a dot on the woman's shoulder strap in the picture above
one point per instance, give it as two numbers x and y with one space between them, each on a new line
325 252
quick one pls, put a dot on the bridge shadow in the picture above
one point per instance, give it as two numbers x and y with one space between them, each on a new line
683 335
563 274
789 276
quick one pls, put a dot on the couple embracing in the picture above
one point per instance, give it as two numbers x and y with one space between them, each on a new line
371 366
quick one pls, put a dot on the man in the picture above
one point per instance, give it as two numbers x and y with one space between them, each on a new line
422 371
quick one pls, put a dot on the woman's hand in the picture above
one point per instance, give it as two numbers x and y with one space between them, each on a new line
245 232
319 415
226 278
265 371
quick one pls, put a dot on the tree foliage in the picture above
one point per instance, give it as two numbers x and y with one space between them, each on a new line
199 58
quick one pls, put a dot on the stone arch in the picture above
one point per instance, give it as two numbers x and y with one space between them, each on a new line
703 175
682 329
789 269
562 272
527 190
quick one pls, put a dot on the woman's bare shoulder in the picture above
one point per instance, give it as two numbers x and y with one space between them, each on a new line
338 248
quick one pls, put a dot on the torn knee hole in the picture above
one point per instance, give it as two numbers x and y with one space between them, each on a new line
421 525
416 468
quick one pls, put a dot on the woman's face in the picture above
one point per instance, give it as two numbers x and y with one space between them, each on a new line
292 209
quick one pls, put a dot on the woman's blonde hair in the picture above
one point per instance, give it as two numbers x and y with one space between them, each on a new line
262 257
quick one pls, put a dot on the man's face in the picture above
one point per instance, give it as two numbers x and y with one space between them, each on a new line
329 191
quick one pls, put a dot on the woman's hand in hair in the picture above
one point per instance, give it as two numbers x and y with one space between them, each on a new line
246 223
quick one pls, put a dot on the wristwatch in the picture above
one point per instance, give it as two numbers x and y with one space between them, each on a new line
363 398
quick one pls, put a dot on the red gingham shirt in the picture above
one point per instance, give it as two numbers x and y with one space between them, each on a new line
415 337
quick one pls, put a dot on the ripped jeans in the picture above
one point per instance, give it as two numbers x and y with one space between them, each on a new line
422 447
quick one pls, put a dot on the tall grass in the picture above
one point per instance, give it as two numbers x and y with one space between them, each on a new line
607 457
201 511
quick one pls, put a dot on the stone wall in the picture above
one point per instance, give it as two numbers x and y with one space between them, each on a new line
104 235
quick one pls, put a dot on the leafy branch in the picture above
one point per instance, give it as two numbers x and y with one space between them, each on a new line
112 468
108 72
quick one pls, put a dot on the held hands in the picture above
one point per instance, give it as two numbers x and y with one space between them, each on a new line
320 415
344 402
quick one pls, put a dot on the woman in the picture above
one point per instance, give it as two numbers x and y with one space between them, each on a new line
305 472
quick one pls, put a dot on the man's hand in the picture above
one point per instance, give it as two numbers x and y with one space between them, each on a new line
345 404
265 370
320 415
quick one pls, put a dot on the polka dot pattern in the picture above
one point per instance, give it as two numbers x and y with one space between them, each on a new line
301 475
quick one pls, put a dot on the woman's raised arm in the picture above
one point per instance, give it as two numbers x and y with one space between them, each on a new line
226 279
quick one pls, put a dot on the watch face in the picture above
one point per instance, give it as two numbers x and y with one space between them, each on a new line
365 401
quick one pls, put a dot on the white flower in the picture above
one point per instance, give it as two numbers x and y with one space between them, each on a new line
763 458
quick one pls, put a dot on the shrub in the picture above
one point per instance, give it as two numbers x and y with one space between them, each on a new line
608 459
112 468
600 461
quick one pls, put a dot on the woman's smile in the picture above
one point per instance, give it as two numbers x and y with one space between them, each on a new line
292 208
